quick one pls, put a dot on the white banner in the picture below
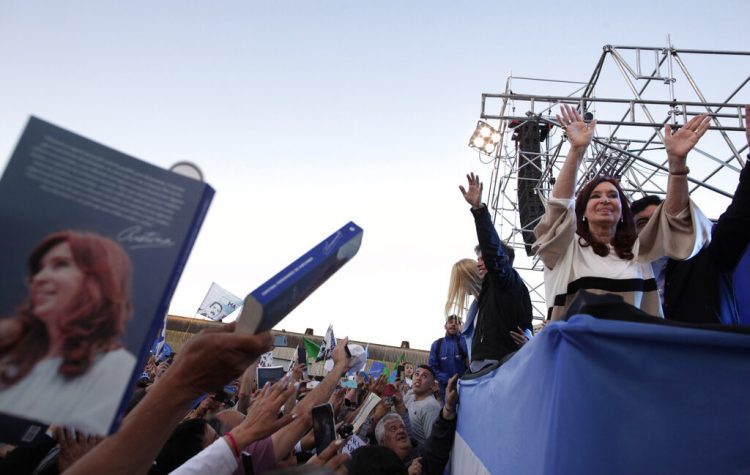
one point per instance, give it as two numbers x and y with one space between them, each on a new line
266 360
327 346
219 303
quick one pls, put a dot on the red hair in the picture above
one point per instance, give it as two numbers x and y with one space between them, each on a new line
625 234
100 311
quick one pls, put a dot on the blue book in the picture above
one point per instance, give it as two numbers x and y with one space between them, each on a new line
267 305
93 244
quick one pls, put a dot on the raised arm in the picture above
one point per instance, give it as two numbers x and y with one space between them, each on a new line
678 145
247 382
205 364
285 439
579 136
493 256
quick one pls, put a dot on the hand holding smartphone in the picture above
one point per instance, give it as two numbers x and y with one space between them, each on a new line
324 426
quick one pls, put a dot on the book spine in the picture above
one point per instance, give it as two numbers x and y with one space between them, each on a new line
156 322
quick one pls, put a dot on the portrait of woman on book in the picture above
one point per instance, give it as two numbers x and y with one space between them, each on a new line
61 356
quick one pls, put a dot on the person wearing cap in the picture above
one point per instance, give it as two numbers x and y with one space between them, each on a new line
448 355
422 406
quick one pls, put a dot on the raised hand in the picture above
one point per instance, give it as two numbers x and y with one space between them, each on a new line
578 131
379 386
451 399
339 353
329 458
473 195
298 372
262 418
415 467
681 142
73 445
213 358
337 400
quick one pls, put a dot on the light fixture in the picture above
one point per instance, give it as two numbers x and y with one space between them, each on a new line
485 138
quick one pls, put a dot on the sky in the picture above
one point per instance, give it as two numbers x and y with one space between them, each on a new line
304 115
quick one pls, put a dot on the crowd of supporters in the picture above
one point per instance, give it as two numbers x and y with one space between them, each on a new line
202 412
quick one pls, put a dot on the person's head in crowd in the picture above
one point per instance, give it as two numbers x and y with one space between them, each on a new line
465 281
601 204
423 381
408 369
227 420
79 303
187 440
643 209
376 460
452 324
391 432
161 368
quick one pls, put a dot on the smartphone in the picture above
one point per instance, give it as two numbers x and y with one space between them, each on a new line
324 426
222 397
247 464
400 372
301 355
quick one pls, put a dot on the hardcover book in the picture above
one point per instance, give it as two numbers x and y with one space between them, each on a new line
267 305
93 244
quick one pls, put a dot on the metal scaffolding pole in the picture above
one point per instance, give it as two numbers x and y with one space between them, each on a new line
632 149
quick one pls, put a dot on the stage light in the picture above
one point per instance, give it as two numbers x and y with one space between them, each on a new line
485 138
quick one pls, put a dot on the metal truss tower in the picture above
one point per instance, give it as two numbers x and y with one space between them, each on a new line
631 109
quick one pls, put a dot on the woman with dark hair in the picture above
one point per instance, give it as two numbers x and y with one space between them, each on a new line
61 359
589 242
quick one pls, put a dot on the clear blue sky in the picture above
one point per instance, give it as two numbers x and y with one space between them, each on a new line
304 115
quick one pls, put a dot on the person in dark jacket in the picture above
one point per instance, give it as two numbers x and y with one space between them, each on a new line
448 355
701 289
503 304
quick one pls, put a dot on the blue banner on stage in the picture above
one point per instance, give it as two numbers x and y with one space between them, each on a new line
601 396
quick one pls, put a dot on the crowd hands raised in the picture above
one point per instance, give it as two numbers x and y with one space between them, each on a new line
238 428
187 417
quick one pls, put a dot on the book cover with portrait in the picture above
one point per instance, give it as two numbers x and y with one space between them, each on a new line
93 244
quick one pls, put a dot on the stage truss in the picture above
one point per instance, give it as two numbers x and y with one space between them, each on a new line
628 140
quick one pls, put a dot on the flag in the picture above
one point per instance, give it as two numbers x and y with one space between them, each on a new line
327 346
266 360
367 355
394 370
160 349
218 303
311 349
376 368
